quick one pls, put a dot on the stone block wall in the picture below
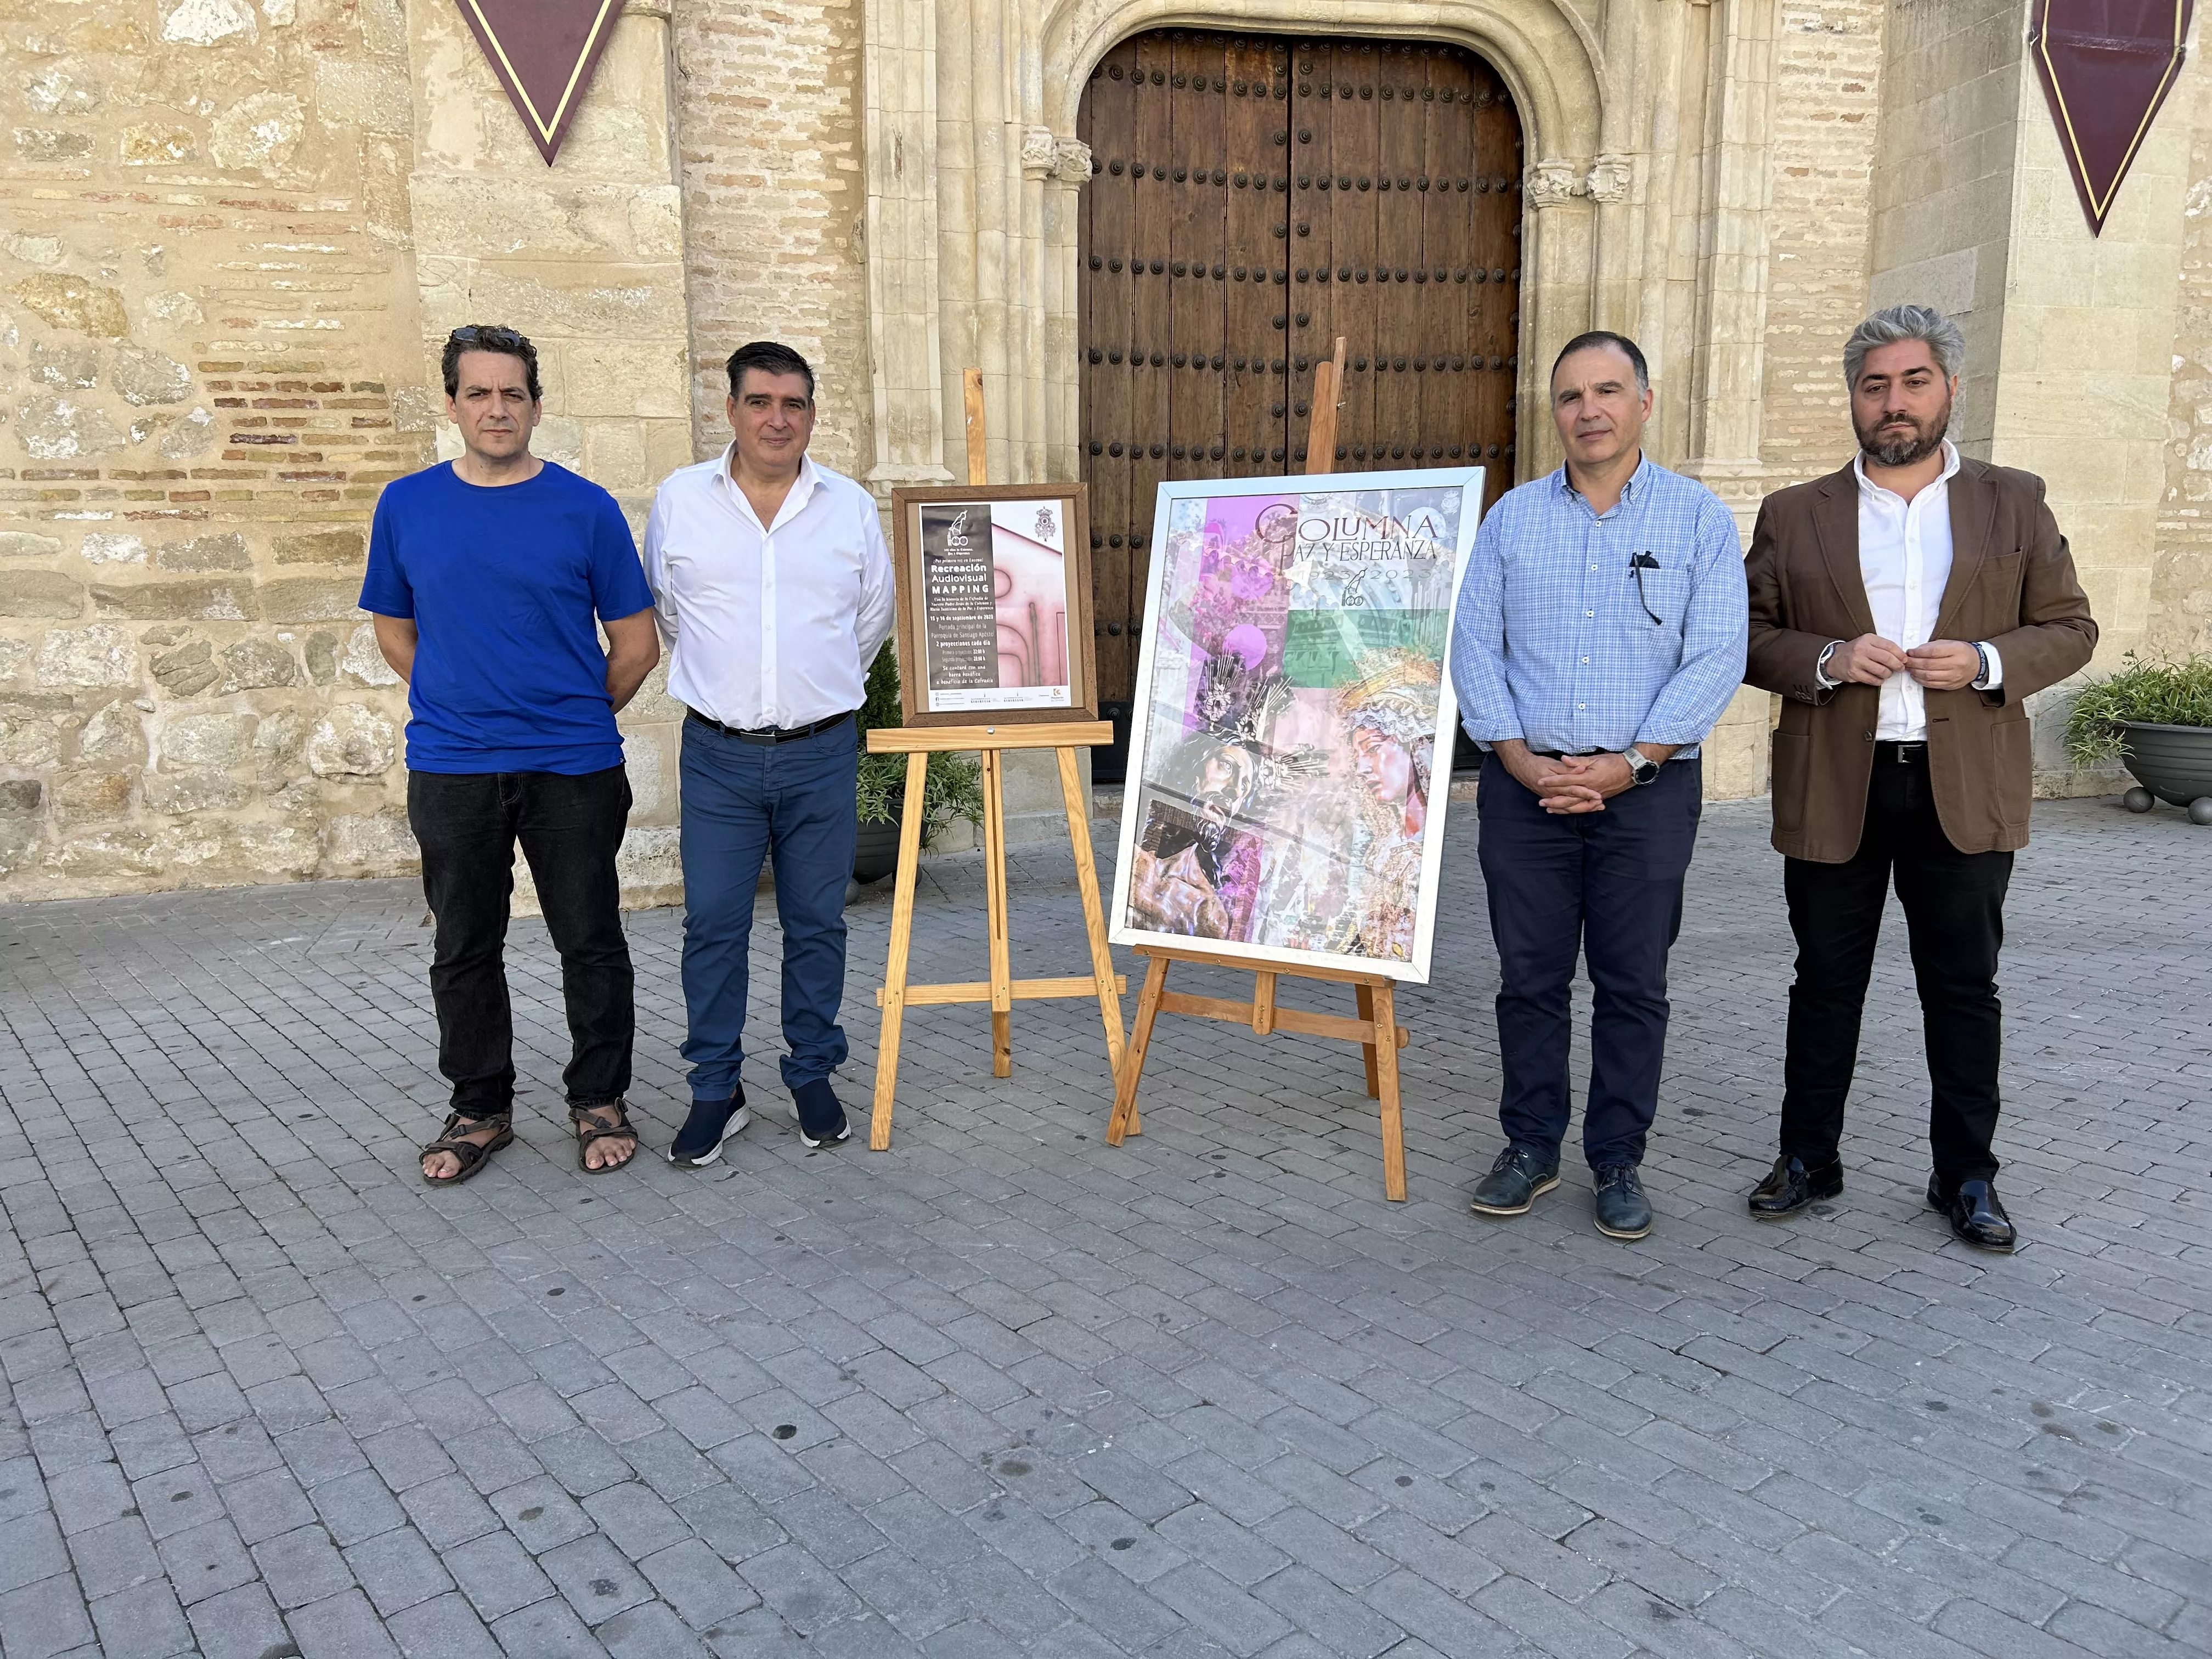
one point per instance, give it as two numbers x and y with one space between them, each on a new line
1953 76
209 362
2086 375
2181 576
234 231
586 258
1827 73
2077 343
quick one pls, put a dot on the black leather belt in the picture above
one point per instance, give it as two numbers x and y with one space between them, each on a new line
1901 754
766 735
1569 754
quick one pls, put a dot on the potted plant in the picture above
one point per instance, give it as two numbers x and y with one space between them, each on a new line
2156 717
952 789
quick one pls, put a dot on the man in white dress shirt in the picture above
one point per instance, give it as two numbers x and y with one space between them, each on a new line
1905 607
773 588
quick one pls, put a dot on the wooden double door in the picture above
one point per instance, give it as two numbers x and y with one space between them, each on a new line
1252 197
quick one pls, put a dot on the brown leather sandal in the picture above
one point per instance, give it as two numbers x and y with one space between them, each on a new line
471 1155
590 1127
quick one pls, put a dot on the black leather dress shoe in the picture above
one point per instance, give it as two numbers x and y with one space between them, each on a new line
1791 1187
1522 1175
1976 1216
1622 1210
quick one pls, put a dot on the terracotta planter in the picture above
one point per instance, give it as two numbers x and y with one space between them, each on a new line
2174 763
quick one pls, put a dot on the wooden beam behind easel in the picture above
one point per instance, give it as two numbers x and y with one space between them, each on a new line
971 401
1327 399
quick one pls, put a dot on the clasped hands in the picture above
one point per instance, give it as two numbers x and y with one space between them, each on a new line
1569 784
1940 665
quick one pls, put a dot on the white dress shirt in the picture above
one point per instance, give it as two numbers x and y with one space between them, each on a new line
1905 559
768 626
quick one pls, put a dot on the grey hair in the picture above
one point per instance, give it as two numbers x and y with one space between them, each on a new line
1887 327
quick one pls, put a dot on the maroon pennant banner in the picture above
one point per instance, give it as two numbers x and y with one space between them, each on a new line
2106 65
543 52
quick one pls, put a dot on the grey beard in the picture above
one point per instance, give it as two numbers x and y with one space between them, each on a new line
1904 452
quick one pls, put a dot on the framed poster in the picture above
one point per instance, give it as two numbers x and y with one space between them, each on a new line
993 604
1292 710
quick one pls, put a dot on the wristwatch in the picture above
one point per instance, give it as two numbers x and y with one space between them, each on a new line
1642 769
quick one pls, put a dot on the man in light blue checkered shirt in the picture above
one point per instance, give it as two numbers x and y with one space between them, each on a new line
1599 636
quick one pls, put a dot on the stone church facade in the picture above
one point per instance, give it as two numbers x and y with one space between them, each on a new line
231 233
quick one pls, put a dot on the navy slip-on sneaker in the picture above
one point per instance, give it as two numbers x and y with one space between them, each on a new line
699 1142
821 1118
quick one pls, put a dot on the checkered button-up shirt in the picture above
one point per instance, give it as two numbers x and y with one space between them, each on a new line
1577 631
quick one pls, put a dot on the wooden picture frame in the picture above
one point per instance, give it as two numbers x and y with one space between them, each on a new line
950 669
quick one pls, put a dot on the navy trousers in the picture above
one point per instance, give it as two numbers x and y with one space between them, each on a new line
1607 886
793 803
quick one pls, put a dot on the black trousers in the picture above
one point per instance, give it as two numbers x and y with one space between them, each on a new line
1954 917
468 823
1608 887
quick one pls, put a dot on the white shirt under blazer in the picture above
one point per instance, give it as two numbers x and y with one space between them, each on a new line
1905 558
775 625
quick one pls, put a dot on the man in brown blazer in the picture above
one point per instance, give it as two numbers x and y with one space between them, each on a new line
1905 607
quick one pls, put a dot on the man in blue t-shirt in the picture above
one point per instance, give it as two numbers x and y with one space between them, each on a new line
489 578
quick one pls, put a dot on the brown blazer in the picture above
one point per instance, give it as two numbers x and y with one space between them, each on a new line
2012 585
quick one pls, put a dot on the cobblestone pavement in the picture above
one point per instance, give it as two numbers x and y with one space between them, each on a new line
1006 1390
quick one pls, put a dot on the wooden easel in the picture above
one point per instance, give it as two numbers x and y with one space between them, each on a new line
1376 1030
1001 991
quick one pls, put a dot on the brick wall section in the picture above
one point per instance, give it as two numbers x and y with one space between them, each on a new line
769 126
208 305
1826 114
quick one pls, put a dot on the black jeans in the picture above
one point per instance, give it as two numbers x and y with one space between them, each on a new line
468 823
1606 886
1954 916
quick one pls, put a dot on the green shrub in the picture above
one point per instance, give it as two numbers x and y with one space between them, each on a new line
954 786
2157 693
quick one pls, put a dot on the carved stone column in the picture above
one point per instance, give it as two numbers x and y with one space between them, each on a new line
1056 169
1725 397
1556 294
1006 239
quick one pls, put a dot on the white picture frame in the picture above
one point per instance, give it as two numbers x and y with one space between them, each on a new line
1278 708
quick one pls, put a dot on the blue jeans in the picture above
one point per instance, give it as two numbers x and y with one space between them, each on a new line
1607 886
793 803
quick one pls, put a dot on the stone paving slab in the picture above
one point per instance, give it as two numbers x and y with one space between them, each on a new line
1004 1390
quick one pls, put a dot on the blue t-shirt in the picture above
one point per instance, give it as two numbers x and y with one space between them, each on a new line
503 585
